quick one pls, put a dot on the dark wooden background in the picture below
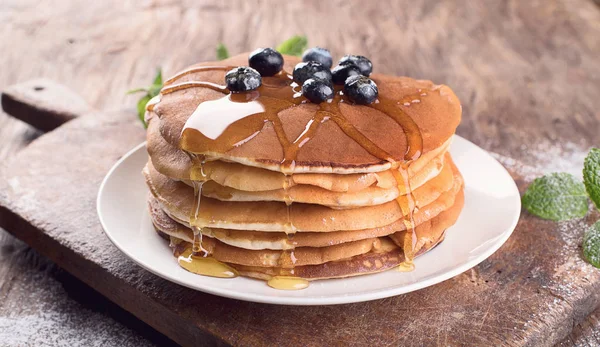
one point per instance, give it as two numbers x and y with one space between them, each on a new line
527 72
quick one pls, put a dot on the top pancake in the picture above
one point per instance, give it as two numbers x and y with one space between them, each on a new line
434 110
176 164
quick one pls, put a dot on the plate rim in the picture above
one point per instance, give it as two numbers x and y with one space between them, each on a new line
313 301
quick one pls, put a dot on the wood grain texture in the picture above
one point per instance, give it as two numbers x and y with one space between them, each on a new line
42 103
526 72
42 305
586 333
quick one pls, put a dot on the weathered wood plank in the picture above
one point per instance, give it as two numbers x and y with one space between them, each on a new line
43 103
36 305
586 333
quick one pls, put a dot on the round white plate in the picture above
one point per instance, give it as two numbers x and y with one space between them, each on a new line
492 208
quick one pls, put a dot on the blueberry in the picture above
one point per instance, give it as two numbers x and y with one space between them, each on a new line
267 61
318 54
317 90
311 69
340 73
364 64
360 90
242 79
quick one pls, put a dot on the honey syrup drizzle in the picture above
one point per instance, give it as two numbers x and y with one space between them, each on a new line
196 69
192 84
198 178
287 283
411 129
207 266
277 94
407 206
333 109
406 266
194 220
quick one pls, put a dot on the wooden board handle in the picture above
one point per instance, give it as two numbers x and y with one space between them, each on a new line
43 103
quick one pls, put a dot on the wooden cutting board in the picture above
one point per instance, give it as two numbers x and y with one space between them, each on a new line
531 291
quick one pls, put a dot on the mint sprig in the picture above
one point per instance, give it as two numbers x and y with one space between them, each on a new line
558 196
222 52
591 245
151 92
295 45
591 175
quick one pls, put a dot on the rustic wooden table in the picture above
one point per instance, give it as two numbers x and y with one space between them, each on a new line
527 73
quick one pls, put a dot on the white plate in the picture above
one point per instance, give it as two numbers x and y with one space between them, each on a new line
492 208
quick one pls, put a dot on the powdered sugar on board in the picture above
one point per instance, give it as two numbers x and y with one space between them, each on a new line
49 322
35 309
573 267
545 158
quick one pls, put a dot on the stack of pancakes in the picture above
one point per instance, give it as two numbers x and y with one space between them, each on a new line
267 184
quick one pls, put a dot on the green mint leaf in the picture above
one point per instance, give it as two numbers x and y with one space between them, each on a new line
154 90
591 245
156 84
293 46
591 175
151 92
222 52
137 90
558 196
158 79
141 108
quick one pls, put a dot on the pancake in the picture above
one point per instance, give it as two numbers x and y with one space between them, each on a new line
387 257
308 194
178 199
353 139
266 183
286 259
255 240
174 163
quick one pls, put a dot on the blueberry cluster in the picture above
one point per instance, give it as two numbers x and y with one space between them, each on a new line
314 74
352 72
